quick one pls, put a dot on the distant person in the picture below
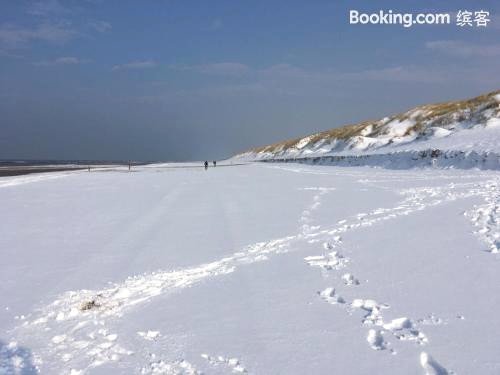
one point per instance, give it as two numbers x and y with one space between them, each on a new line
215 163
206 164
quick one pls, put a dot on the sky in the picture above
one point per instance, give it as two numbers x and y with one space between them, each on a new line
176 80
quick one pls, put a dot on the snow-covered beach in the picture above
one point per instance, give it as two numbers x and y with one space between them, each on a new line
249 187
259 268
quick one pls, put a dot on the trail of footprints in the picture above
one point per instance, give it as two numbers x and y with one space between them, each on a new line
220 364
162 367
75 326
305 218
485 217
158 365
403 329
232 364
76 322
332 259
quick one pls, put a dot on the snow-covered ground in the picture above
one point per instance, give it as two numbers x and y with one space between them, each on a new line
259 269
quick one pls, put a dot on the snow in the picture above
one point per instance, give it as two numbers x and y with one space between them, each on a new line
430 365
483 139
376 340
258 268
149 335
479 139
459 129
303 142
398 324
398 128
493 122
366 130
349 279
21 180
440 132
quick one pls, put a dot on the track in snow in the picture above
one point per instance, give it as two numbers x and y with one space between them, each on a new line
74 327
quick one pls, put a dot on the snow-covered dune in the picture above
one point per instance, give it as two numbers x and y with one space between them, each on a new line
453 130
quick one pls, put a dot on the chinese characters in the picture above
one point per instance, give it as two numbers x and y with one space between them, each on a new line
467 18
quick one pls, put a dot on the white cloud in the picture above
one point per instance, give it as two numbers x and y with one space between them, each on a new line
13 37
6 53
290 71
408 73
100 26
67 60
459 48
220 68
240 69
291 80
46 8
329 76
223 68
288 74
136 65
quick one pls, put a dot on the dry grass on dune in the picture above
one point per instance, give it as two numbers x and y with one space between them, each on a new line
438 113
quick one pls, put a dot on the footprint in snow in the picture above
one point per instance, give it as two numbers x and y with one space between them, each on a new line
149 335
373 310
232 363
349 279
403 329
331 296
431 366
376 340
330 261
177 367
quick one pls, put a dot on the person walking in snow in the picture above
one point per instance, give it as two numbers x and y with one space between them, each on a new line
206 164
215 163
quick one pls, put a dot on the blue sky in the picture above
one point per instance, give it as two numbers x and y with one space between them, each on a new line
182 79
